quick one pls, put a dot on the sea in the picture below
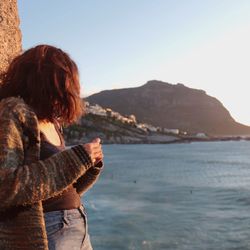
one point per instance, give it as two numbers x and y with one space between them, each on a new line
183 196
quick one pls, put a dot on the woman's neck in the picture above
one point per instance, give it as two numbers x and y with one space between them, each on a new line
49 130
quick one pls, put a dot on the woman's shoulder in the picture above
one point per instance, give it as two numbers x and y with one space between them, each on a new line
16 108
12 103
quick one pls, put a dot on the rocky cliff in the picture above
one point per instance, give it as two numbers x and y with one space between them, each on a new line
172 106
10 34
113 129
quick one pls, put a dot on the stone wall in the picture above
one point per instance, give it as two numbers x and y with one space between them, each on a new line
10 34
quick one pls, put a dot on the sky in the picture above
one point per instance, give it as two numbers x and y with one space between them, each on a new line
204 44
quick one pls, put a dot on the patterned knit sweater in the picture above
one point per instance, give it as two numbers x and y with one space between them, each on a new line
25 181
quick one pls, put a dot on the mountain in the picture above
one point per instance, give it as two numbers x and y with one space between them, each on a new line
172 106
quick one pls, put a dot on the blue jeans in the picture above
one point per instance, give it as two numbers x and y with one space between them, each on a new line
67 230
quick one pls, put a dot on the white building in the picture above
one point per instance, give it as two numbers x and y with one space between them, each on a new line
171 131
96 110
151 128
141 126
201 135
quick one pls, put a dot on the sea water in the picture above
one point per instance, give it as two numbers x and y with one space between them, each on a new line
174 196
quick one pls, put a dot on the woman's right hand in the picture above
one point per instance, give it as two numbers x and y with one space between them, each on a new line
94 149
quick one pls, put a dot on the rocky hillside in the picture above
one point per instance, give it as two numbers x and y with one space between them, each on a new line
112 127
172 106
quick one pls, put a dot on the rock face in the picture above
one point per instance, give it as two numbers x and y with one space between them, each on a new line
10 34
172 106
111 130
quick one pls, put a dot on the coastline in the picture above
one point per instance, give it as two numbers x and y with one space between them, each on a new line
175 140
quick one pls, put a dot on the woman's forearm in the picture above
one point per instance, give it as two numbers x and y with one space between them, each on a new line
87 180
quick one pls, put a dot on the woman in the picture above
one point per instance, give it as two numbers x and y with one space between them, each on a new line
40 180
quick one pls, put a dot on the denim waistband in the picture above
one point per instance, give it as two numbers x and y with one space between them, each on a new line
65 213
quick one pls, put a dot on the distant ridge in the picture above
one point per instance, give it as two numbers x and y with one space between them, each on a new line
172 106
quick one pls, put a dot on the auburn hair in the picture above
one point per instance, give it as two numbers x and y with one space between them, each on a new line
48 80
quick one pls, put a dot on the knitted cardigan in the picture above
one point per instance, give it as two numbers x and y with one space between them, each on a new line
25 181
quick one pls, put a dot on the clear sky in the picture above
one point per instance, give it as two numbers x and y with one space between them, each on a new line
203 44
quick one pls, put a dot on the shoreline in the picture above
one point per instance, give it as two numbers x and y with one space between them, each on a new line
181 140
